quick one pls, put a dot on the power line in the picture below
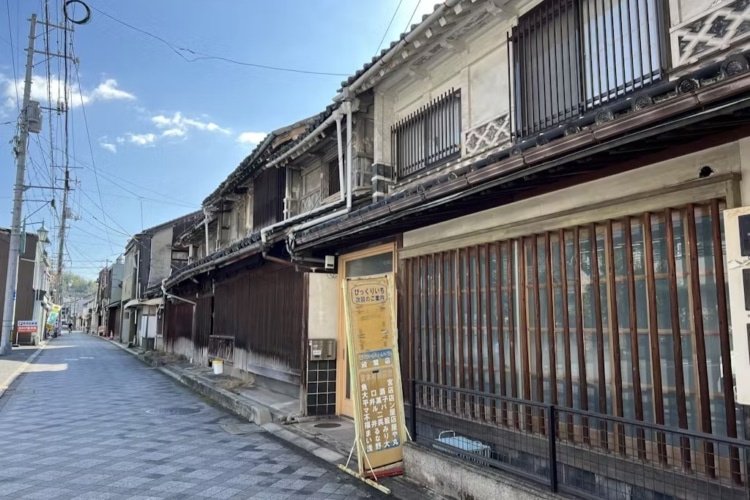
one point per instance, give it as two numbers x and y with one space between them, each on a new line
406 28
13 56
389 26
203 56
91 150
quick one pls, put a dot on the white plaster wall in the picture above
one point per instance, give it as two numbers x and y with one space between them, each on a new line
161 256
323 306
684 10
722 159
479 68
128 276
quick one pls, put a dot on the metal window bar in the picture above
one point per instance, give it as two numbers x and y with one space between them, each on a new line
572 56
429 137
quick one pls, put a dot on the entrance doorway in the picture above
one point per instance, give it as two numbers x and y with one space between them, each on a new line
375 261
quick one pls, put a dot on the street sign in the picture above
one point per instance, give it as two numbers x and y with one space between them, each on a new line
27 326
375 371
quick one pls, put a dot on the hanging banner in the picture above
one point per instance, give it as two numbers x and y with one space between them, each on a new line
53 314
375 371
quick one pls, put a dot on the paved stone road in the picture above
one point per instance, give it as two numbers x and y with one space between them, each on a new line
83 422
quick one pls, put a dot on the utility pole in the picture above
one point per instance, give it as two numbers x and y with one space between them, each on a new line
14 251
61 248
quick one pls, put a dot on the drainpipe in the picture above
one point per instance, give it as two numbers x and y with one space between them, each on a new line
205 222
349 174
312 135
383 61
341 155
349 181
345 181
170 296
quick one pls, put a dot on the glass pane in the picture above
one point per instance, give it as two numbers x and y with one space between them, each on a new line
369 266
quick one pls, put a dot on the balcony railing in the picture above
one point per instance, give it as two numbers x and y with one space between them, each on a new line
428 137
582 453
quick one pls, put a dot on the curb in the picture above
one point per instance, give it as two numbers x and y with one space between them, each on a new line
239 406
244 408
21 369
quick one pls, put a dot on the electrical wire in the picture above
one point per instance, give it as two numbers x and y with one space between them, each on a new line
389 26
177 49
13 57
408 23
91 149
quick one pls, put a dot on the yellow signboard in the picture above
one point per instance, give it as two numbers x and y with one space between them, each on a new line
374 366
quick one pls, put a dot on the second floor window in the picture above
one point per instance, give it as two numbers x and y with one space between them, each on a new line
428 137
574 55
334 179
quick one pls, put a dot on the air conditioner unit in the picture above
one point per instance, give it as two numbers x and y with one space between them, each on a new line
461 446
737 239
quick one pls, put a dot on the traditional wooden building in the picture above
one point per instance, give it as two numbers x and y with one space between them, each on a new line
547 187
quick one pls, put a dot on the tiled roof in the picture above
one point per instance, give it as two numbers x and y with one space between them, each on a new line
263 153
383 52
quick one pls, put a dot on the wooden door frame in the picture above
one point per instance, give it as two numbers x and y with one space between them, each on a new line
342 365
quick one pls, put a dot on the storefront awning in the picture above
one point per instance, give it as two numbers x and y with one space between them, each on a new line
139 303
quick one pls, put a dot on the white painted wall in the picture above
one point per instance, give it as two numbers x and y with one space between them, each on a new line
323 306
479 68
722 159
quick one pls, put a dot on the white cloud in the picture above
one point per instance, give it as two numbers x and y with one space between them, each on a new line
177 125
252 138
141 139
109 147
120 140
106 91
174 132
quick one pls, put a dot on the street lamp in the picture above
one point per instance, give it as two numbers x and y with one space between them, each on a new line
42 234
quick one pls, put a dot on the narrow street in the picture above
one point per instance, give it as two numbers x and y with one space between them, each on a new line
87 420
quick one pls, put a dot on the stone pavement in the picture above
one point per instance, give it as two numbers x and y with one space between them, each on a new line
11 363
86 420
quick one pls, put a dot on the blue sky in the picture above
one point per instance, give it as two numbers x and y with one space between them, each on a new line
164 132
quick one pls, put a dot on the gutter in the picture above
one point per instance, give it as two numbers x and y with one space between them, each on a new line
250 249
312 135
347 108
504 175
383 61
169 295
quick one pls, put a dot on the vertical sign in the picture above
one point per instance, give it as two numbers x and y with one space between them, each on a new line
54 312
375 371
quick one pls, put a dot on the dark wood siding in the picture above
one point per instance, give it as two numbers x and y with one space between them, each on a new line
268 198
179 322
624 317
25 292
203 321
263 310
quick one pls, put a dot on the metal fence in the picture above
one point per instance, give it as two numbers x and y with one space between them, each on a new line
579 452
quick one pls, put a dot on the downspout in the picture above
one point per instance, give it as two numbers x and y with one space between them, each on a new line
175 297
348 180
312 135
383 61
337 116
205 223
341 155
349 174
